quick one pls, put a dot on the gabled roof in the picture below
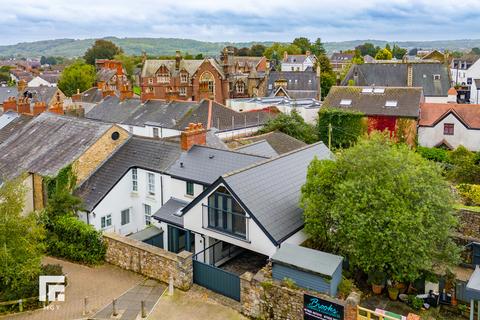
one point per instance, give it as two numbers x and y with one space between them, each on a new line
170 212
150 67
92 95
405 100
41 94
224 118
165 114
48 143
113 110
105 74
279 141
7 92
300 85
147 153
432 113
270 190
204 165
298 58
342 57
261 148
13 126
395 75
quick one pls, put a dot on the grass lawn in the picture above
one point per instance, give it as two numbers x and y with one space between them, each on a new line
459 206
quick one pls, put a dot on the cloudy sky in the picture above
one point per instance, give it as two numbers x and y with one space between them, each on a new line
232 20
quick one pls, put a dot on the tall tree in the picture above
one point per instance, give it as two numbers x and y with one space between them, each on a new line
398 52
257 50
292 124
384 207
21 242
366 49
317 48
101 49
279 48
383 54
243 52
78 76
303 43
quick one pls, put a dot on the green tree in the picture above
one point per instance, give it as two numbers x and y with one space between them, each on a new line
243 52
327 81
293 125
366 49
199 56
347 126
101 49
76 76
303 43
21 242
413 52
257 50
383 54
279 48
464 167
476 51
398 52
317 48
384 207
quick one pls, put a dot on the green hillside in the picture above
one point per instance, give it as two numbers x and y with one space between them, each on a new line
168 46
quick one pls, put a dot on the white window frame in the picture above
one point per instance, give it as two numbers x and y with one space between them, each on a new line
183 78
151 183
150 80
106 221
134 180
183 91
163 78
147 209
128 217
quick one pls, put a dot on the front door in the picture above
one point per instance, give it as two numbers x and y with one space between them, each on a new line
180 239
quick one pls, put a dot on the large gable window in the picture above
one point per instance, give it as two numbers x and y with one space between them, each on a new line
207 82
225 214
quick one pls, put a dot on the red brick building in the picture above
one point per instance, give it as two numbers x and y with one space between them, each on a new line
112 79
194 80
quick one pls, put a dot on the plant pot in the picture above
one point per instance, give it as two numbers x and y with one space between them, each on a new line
377 288
393 293
402 287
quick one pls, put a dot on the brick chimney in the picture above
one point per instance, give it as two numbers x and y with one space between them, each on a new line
10 104
23 106
125 92
108 92
178 58
193 134
77 97
39 107
21 86
57 106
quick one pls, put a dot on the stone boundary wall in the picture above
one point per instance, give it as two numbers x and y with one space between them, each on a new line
264 298
150 261
468 223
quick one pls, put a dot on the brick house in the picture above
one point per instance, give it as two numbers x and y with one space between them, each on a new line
194 80
112 79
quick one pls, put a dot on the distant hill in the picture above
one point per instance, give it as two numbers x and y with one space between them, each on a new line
167 46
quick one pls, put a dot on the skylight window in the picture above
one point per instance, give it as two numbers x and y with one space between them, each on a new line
367 90
345 102
391 104
379 90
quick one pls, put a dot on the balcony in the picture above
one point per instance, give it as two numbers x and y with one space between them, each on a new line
232 224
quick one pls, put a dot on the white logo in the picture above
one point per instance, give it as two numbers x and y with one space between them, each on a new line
56 290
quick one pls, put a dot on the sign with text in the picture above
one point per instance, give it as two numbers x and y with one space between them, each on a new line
318 309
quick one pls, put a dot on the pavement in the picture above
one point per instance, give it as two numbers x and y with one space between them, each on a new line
100 284
128 306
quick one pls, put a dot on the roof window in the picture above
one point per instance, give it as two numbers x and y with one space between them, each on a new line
391 103
367 90
379 90
345 102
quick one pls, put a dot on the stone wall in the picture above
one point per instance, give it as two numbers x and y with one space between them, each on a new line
264 298
150 261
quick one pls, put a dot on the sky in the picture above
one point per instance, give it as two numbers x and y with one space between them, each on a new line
237 21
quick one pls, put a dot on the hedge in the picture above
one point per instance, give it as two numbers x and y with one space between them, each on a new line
75 240
434 154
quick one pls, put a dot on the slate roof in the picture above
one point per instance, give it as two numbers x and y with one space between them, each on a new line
341 57
51 77
295 58
7 92
307 259
395 75
41 93
112 110
7 117
150 67
261 148
300 85
105 74
279 141
13 126
271 189
432 113
147 153
146 233
165 114
221 117
408 100
48 143
92 95
169 212
204 164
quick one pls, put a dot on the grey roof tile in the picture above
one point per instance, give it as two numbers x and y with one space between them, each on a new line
300 85
261 148
271 189
279 141
161 113
112 110
169 212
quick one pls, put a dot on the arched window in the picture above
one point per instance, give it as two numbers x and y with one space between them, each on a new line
207 82
240 87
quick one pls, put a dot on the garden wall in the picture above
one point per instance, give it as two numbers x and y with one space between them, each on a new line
469 223
150 261
264 298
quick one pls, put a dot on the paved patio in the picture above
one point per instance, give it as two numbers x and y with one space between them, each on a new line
100 284
245 261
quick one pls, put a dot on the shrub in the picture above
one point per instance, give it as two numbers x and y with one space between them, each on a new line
289 283
415 303
464 168
434 154
345 287
75 240
292 124
470 193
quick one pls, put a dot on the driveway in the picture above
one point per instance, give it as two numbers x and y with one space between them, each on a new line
99 284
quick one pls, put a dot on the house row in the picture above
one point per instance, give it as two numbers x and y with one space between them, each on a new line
405 114
465 73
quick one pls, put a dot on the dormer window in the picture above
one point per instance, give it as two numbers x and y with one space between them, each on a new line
184 78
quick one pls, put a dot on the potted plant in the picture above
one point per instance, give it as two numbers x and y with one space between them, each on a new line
393 291
377 280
